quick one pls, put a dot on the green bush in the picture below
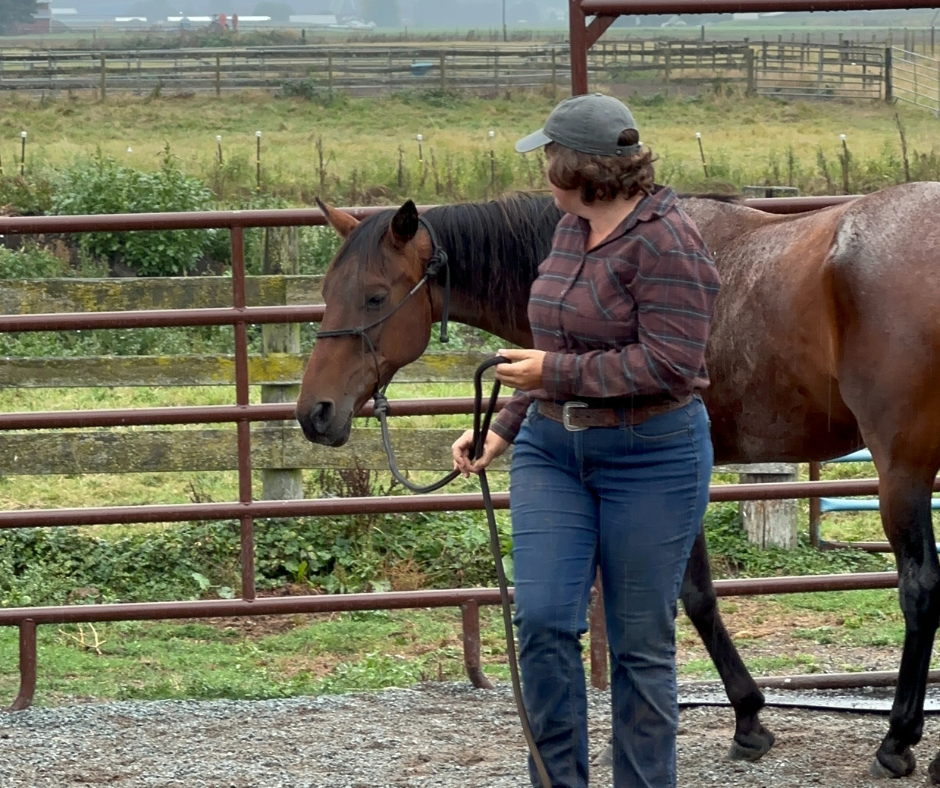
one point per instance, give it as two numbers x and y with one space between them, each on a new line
31 195
29 262
333 554
733 556
102 186
312 89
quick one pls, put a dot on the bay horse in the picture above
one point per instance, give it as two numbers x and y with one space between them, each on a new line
825 338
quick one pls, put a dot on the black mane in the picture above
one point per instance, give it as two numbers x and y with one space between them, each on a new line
496 247
493 247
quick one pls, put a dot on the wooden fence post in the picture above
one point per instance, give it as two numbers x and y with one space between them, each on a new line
889 95
769 523
329 69
280 258
554 75
819 69
104 88
751 72
443 72
218 75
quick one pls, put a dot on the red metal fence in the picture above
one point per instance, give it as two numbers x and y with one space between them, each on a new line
245 510
585 34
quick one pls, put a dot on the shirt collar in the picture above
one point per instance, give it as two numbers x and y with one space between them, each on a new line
662 200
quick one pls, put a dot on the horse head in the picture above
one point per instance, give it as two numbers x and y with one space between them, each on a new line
379 311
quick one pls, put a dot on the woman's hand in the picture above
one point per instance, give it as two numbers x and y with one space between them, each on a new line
525 371
462 447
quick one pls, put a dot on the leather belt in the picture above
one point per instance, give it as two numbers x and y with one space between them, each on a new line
577 416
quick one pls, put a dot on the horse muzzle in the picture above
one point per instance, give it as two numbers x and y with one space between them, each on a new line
323 424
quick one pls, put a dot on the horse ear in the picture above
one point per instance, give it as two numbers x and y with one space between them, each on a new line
405 223
342 222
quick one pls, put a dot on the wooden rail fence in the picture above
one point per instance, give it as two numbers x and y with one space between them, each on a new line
846 69
279 449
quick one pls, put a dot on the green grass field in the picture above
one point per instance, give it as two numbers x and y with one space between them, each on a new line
746 141
365 151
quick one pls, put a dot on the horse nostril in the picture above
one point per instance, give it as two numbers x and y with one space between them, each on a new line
322 415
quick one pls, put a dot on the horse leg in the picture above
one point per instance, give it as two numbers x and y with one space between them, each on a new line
751 739
905 511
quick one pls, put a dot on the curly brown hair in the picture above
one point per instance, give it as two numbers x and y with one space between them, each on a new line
602 178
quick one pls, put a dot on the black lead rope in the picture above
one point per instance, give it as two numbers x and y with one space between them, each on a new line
480 431
437 264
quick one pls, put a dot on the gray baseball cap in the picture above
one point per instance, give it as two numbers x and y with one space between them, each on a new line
589 124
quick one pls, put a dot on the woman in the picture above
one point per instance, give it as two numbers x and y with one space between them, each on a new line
612 455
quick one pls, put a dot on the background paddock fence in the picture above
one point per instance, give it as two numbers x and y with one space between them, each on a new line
916 79
819 70
308 70
236 310
845 70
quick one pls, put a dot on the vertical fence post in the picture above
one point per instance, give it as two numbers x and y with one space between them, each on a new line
24 697
281 258
554 75
769 522
218 75
815 508
242 397
103 77
443 72
470 621
819 69
889 95
257 161
598 647
329 71
496 73
667 64
751 74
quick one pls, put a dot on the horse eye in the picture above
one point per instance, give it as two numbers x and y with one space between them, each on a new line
376 301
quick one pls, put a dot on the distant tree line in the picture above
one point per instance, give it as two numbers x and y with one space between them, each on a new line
13 12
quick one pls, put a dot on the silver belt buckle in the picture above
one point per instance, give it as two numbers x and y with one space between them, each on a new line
566 415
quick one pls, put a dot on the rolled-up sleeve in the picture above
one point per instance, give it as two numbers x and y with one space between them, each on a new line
510 418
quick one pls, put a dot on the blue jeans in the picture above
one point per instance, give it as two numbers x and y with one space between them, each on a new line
629 501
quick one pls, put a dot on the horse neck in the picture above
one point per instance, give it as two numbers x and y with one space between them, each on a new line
493 250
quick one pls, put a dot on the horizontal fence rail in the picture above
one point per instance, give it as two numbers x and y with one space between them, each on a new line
916 79
241 414
848 70
305 70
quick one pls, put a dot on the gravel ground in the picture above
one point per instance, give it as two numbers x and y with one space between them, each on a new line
440 735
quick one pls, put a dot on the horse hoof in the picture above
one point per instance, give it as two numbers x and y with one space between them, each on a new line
606 758
752 746
934 771
893 765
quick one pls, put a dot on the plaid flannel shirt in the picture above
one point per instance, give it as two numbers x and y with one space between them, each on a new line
628 318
